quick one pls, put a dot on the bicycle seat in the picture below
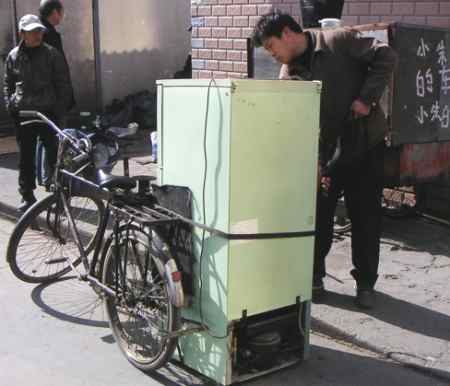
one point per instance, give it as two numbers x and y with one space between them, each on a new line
110 182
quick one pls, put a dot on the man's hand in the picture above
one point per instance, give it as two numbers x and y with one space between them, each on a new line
360 109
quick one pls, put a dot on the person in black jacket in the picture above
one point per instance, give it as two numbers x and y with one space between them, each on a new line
36 78
52 15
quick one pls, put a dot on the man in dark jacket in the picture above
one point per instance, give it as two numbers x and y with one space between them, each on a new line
354 72
52 15
36 78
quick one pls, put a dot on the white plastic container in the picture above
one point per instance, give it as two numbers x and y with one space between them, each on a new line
154 139
330 23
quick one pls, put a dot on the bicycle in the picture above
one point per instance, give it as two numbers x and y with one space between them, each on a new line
133 269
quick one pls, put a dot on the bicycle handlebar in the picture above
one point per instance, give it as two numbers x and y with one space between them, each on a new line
39 117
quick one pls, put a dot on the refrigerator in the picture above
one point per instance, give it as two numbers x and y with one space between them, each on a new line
248 151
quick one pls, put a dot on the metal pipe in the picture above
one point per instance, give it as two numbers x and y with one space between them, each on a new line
14 22
97 53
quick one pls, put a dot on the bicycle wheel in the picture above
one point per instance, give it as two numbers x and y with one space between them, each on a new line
141 315
41 244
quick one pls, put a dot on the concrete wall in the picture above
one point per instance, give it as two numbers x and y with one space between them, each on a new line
6 44
142 43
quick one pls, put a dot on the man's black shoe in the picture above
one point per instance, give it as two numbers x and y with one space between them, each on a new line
26 203
318 290
365 298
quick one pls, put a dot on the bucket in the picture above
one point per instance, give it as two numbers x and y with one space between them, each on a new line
330 23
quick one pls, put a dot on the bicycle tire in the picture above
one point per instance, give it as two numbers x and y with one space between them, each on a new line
36 230
140 303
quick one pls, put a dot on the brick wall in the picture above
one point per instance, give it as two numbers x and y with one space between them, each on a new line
430 12
220 29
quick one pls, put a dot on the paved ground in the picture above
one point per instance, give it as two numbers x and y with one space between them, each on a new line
57 334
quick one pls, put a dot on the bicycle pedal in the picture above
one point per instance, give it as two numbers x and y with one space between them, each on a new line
56 261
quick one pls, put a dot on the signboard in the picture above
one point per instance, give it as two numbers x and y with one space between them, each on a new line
421 104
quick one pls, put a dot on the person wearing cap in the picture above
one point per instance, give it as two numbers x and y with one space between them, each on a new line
36 78
52 14
354 72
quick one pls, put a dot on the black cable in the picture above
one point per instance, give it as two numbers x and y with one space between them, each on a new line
205 155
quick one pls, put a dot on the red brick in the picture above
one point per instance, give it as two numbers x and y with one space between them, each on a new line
240 21
194 11
234 10
240 1
219 75
247 32
236 75
295 11
225 1
226 66
415 19
285 8
252 20
234 55
211 43
380 8
220 54
426 9
250 10
219 32
226 43
240 44
234 33
403 8
444 8
358 9
204 54
256 1
211 65
264 9
204 32
204 10
194 53
439 21
211 21
349 20
204 74
219 10
225 21
390 18
240 67
195 74
368 19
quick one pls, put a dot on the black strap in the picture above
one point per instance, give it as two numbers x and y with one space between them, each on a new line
239 236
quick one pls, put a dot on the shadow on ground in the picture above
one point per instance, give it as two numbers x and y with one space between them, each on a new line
399 313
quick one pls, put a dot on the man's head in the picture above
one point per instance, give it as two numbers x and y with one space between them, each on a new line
52 11
280 35
31 30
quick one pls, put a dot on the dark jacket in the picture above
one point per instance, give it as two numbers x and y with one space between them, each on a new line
37 82
53 38
350 67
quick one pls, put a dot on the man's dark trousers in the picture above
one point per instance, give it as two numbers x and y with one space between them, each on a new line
26 139
362 184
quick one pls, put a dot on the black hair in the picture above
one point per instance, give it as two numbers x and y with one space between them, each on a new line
273 24
48 6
